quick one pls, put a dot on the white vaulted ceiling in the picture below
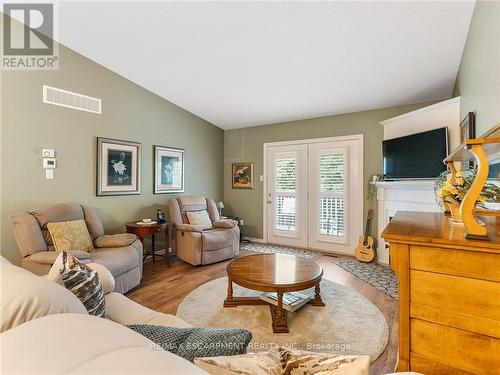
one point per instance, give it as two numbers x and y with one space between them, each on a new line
239 64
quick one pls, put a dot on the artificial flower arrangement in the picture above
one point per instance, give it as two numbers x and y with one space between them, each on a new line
451 194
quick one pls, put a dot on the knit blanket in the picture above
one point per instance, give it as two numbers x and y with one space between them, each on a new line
191 343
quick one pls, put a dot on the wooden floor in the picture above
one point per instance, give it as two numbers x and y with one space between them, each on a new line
163 289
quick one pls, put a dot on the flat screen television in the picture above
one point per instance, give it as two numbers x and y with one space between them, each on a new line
416 156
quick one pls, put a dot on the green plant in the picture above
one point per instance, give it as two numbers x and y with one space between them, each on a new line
438 185
372 189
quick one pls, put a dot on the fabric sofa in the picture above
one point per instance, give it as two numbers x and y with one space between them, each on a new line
120 253
44 319
84 344
196 245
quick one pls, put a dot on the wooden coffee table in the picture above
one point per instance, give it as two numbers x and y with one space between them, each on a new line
277 273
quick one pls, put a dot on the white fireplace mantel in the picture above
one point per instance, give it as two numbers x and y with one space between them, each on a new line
408 195
406 184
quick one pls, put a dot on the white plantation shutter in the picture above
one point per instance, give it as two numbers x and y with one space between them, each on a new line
285 174
285 185
331 173
332 193
331 218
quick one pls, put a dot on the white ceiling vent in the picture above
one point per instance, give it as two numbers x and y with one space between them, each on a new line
68 99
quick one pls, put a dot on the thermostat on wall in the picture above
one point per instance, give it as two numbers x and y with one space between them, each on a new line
48 153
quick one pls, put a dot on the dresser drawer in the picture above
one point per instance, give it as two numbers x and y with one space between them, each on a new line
479 265
469 304
452 348
425 365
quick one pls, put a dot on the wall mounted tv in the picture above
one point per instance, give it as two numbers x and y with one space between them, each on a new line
416 156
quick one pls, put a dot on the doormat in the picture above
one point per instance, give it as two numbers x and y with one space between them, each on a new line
277 249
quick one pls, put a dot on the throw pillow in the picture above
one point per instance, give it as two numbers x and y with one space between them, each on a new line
283 361
262 363
199 218
105 277
70 235
84 283
196 342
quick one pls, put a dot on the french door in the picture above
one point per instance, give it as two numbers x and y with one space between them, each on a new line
314 194
287 195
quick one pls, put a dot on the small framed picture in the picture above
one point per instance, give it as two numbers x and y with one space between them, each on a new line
242 175
168 170
118 167
468 127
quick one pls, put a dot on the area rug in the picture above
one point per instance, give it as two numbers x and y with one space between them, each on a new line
349 324
277 249
377 275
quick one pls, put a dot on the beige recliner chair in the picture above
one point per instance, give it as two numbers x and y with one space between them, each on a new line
119 253
203 246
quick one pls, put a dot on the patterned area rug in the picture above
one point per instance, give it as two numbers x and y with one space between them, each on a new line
273 249
378 276
348 324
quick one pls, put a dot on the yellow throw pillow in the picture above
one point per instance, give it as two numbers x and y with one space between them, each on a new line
70 235
199 218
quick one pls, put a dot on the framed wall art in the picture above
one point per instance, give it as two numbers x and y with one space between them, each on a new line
468 127
118 167
242 175
168 170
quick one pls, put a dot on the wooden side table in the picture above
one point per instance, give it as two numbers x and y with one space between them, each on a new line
144 230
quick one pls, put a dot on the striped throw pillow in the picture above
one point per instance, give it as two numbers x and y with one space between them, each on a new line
84 283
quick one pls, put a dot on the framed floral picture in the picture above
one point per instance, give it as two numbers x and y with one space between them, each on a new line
118 167
242 175
168 170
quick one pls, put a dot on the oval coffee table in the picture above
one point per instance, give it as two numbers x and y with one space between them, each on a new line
277 273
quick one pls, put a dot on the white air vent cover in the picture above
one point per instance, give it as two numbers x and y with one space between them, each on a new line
63 98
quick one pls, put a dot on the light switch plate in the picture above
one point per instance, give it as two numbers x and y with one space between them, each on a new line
49 174
261 178
49 163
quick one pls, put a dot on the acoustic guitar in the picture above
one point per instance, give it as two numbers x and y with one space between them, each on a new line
365 252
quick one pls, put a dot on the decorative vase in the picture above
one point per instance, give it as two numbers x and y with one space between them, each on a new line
456 218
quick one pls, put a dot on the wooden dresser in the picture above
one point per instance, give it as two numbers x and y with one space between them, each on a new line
449 295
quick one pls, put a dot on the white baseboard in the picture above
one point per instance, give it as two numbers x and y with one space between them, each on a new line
254 239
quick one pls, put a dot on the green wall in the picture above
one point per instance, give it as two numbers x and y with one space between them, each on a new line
478 81
129 112
247 145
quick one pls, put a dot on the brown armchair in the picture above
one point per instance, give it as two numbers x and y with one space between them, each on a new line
120 253
196 245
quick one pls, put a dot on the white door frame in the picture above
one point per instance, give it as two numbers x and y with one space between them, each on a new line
354 137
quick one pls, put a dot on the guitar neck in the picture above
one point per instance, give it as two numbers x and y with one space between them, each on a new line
367 229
